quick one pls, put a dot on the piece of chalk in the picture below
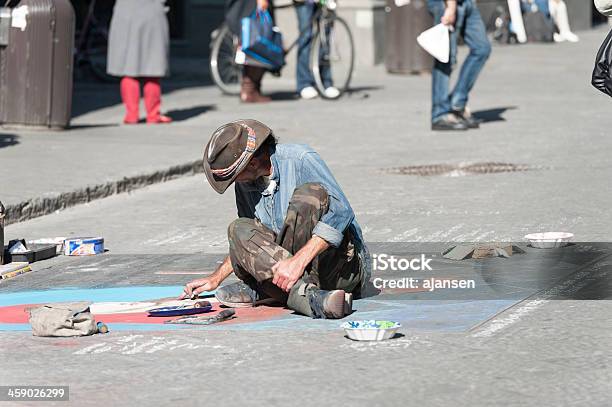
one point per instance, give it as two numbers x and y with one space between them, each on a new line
201 304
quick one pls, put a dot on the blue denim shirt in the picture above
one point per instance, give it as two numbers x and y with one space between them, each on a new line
295 165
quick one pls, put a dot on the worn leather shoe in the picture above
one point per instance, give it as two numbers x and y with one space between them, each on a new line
333 304
240 295
236 295
449 122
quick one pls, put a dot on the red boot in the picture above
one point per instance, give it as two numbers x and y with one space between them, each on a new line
130 95
152 99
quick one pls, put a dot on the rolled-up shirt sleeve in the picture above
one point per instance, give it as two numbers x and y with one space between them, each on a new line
339 216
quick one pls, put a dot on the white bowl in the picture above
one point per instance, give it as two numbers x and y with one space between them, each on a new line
370 330
549 240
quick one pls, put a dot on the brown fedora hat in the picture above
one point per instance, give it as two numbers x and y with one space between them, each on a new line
230 149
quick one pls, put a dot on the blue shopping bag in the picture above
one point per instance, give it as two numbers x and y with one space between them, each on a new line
262 41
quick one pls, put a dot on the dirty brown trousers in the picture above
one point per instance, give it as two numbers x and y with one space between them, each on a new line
254 249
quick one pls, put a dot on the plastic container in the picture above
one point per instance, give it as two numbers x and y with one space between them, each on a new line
549 240
370 330
83 246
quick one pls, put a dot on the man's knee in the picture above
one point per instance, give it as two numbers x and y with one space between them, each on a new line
311 194
240 230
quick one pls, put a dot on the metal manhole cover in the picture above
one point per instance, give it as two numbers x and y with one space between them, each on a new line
456 170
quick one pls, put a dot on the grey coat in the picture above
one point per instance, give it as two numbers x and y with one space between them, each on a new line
139 39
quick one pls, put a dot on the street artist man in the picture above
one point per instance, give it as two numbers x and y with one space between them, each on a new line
296 240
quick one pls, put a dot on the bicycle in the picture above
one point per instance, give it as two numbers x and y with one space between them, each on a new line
331 47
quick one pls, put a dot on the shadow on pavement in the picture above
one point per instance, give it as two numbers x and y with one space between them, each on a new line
282 96
359 91
492 115
362 91
89 97
179 115
7 140
91 126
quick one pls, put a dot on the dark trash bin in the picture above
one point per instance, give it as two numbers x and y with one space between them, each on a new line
404 24
36 65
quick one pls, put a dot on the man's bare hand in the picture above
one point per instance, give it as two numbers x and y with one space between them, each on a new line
287 272
450 16
194 288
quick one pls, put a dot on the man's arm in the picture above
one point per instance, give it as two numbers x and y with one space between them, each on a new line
339 215
450 13
287 272
210 283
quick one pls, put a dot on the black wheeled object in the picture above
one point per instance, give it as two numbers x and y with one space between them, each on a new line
332 56
225 72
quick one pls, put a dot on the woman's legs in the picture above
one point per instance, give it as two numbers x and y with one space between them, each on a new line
130 95
152 99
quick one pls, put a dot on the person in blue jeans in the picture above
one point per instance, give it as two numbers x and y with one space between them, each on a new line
305 10
449 110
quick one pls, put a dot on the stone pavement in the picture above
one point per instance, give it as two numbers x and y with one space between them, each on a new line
542 351
388 115
558 354
541 112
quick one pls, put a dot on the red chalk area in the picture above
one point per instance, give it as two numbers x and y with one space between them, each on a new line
14 314
18 314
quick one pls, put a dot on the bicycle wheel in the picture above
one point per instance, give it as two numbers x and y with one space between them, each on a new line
225 72
333 55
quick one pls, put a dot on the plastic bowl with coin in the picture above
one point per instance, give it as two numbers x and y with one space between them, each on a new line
549 240
370 330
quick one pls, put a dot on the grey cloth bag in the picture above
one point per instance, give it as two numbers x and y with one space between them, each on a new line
63 319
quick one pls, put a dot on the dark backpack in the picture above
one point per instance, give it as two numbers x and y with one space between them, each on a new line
539 28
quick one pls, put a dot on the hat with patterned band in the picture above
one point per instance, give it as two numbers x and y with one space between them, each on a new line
230 149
